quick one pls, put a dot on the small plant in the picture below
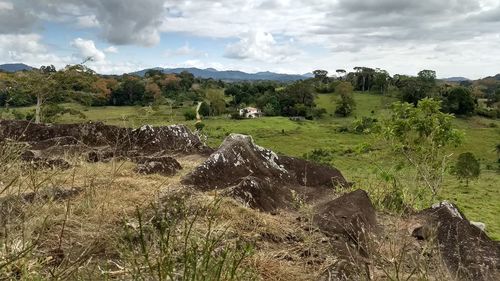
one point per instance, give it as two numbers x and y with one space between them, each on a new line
189 115
199 126
467 167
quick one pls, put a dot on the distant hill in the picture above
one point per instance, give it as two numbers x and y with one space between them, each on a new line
455 79
496 77
14 67
229 75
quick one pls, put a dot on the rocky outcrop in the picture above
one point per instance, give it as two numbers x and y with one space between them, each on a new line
466 250
164 165
261 194
351 215
239 157
147 139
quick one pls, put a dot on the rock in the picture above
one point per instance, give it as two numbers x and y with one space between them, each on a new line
466 250
351 215
174 138
261 194
480 225
239 157
165 165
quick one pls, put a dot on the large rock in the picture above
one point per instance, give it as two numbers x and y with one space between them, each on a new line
239 157
466 250
164 165
261 194
351 215
174 138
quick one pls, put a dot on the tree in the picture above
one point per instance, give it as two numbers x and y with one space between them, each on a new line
427 76
467 167
321 75
413 89
41 84
346 103
216 101
459 100
420 136
341 73
204 109
381 80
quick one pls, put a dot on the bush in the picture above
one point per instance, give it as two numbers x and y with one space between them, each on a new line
189 115
364 125
204 109
488 112
467 167
320 156
199 126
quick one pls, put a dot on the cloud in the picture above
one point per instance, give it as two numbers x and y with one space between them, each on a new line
259 45
88 21
13 19
185 50
111 49
28 48
120 22
87 48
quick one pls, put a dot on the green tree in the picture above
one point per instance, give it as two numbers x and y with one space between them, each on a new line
345 104
427 76
419 136
467 167
321 75
204 109
459 100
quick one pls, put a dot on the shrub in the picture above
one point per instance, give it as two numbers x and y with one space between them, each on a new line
199 126
321 156
189 115
364 125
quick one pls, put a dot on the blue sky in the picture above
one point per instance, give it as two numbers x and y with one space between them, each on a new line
453 37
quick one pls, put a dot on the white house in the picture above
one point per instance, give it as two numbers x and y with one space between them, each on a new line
250 112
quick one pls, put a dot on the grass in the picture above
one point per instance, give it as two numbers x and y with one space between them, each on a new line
479 200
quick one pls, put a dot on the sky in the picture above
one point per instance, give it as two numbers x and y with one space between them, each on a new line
452 37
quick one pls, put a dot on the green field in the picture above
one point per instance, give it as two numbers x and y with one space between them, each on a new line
480 201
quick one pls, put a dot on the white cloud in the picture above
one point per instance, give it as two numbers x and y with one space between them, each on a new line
88 21
87 48
28 48
259 45
6 5
111 49
185 50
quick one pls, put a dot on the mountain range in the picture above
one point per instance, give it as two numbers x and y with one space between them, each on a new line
230 75
14 67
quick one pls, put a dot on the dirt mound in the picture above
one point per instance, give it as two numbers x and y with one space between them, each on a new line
466 250
239 157
261 194
174 138
164 165
352 215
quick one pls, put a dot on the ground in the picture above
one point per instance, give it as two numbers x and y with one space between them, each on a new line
479 200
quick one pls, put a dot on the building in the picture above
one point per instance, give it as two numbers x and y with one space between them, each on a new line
250 112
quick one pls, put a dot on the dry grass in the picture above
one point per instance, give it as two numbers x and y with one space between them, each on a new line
84 234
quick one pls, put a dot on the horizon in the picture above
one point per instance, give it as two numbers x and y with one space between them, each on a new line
454 38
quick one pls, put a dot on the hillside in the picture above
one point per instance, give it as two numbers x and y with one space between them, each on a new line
14 67
229 75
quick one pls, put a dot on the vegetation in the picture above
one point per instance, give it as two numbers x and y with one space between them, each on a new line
467 167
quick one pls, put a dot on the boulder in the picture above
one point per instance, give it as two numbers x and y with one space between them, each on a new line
351 215
261 194
174 138
164 165
239 157
466 250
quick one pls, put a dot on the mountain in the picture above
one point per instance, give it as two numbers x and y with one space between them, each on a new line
229 75
455 79
14 67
